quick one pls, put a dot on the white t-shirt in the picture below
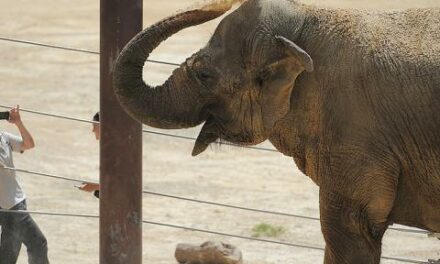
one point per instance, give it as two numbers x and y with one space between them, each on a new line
11 192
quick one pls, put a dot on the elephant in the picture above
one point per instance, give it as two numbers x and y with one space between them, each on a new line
353 96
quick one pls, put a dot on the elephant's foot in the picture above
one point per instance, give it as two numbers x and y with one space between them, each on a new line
432 261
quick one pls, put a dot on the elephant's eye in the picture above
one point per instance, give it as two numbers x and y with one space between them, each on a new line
205 75
263 76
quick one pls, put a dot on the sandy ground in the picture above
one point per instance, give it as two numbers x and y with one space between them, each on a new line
67 83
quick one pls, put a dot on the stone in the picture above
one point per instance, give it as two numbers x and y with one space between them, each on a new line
210 252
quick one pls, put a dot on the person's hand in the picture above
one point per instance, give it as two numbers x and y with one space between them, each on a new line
14 115
89 187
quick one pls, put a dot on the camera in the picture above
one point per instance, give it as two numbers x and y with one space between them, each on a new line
4 115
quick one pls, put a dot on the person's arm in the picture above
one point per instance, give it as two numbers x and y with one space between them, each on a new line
90 187
15 118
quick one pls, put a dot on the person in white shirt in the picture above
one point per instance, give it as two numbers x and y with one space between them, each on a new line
17 228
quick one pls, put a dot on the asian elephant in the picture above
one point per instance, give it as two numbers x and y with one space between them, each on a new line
352 96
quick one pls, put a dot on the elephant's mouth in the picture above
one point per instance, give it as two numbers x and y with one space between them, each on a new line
208 134
212 131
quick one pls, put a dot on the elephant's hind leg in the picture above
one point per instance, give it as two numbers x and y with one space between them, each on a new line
350 236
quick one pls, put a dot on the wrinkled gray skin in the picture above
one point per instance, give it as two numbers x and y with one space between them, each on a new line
352 96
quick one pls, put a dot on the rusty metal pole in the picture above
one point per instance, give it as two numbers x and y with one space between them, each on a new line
121 144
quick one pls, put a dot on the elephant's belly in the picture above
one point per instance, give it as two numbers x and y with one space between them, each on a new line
417 205
428 218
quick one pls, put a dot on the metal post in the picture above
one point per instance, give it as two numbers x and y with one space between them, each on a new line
121 144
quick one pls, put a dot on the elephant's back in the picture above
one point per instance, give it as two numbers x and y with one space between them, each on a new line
412 34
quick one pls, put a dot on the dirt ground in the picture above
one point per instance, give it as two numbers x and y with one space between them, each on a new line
67 83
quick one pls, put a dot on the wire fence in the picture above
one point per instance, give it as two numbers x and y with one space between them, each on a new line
180 227
143 130
33 43
172 196
58 177
168 195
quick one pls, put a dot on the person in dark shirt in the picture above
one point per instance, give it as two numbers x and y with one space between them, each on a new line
93 187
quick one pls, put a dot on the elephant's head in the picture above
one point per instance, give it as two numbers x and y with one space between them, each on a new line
239 83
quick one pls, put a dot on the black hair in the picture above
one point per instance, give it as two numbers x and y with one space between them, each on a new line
96 117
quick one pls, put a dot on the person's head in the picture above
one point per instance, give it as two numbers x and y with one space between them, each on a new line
96 129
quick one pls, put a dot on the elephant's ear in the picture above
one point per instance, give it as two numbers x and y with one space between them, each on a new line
278 77
291 61
294 50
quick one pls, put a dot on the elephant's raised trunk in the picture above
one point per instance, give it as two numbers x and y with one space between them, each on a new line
174 104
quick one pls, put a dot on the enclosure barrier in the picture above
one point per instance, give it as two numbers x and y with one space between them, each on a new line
406 230
58 177
202 231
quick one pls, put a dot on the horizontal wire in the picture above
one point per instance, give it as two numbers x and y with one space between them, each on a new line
73 49
404 260
304 246
53 176
48 213
165 225
406 230
143 130
271 241
50 114
162 195
235 236
231 206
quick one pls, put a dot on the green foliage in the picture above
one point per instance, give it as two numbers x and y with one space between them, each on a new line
267 230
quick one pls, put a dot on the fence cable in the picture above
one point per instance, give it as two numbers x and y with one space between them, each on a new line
162 224
297 245
73 49
143 130
231 206
48 213
406 230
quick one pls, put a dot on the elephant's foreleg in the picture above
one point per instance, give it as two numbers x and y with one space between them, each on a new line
350 236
